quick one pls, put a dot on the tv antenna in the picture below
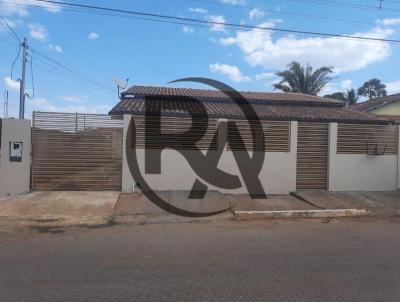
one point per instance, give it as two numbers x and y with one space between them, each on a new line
121 85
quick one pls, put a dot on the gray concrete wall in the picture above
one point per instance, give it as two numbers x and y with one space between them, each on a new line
278 175
15 176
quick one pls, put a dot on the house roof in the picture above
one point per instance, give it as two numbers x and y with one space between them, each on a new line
268 106
375 103
216 94
395 119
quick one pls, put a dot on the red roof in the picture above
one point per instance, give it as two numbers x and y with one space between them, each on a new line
375 103
216 94
268 106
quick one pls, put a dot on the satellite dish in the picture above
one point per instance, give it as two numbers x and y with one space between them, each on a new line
121 83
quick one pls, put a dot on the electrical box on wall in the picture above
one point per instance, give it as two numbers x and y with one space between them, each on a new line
15 151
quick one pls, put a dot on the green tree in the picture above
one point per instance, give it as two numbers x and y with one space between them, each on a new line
337 96
373 88
298 78
350 97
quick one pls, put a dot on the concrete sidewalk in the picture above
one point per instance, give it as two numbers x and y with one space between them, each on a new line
377 203
58 208
61 209
136 208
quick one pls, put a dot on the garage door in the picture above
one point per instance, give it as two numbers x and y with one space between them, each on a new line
76 152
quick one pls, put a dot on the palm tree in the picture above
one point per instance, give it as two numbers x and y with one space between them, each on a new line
303 79
350 97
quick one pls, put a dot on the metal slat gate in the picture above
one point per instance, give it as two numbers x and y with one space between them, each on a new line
76 152
312 156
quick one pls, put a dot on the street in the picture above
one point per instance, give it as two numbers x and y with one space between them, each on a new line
274 260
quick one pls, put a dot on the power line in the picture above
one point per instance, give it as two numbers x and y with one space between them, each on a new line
62 74
249 8
33 83
10 29
75 73
15 61
72 75
392 1
7 42
348 5
234 25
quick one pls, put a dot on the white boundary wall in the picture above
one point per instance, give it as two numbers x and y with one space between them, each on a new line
347 172
15 176
361 172
278 175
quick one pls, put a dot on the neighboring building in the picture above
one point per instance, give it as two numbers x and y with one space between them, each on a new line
311 142
387 107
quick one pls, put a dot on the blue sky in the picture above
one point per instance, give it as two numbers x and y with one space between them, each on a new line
153 53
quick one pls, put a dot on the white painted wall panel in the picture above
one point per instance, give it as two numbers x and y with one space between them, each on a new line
278 175
15 176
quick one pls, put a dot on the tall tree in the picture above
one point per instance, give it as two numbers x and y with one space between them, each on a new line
298 78
350 97
336 96
373 88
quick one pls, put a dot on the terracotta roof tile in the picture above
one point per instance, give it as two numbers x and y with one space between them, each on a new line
229 109
371 104
393 118
216 94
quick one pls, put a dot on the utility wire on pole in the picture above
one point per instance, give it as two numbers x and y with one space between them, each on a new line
22 80
5 113
189 21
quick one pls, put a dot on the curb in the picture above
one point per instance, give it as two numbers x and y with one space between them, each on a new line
300 214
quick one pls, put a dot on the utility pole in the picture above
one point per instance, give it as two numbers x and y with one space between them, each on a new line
5 103
22 80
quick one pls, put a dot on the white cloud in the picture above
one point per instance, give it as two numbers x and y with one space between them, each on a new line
43 104
260 49
393 87
232 72
333 87
39 102
11 84
75 99
256 13
55 48
20 7
389 21
329 88
264 75
93 36
38 31
218 19
187 29
346 84
233 2
198 10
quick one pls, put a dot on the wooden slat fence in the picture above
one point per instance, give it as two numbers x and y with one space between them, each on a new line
173 125
76 151
312 156
354 138
276 136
